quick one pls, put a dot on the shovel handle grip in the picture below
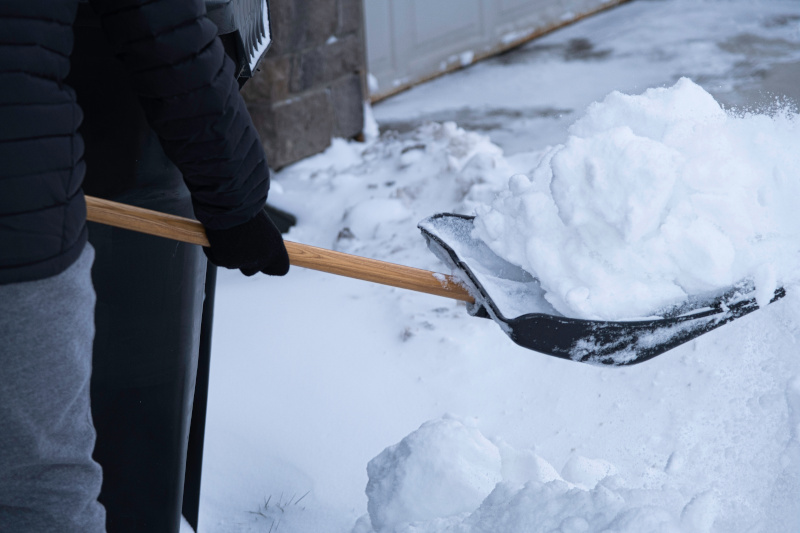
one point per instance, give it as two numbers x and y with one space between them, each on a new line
301 255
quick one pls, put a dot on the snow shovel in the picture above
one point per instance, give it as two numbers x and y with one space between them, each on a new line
514 293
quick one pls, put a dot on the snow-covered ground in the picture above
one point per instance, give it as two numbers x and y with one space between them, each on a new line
342 406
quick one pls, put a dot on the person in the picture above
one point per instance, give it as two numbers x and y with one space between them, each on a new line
177 68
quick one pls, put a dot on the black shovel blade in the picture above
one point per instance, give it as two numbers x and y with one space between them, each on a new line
503 290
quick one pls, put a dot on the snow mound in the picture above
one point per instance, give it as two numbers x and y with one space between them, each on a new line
652 198
447 477
376 192
444 468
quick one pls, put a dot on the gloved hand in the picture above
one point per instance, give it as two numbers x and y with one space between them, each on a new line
255 246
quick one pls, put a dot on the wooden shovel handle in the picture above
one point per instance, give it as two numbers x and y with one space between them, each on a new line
302 255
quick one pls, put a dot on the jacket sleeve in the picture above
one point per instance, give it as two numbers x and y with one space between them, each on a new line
187 89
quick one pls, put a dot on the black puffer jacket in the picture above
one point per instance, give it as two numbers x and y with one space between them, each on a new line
186 86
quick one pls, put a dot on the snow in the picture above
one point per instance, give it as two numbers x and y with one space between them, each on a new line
651 199
446 476
442 469
315 377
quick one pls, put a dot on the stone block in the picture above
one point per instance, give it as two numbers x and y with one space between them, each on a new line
347 99
351 16
324 64
294 129
281 22
318 20
301 24
270 82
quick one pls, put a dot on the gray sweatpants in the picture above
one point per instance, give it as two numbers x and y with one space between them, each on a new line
48 480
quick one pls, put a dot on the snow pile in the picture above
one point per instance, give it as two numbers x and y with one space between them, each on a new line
447 477
376 193
704 438
652 198
442 469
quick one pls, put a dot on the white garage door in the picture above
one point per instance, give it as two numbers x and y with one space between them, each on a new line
409 41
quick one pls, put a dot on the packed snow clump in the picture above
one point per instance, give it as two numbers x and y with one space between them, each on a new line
652 198
442 469
447 477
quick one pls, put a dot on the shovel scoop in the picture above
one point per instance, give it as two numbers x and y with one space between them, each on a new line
515 300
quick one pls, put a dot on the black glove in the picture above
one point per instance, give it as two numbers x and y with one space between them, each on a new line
255 246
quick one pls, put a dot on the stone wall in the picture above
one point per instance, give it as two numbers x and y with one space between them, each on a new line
310 86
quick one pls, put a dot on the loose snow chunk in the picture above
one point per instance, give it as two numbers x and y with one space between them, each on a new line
654 197
444 468
523 466
585 472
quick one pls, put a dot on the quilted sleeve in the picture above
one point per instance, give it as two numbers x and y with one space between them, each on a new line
186 86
